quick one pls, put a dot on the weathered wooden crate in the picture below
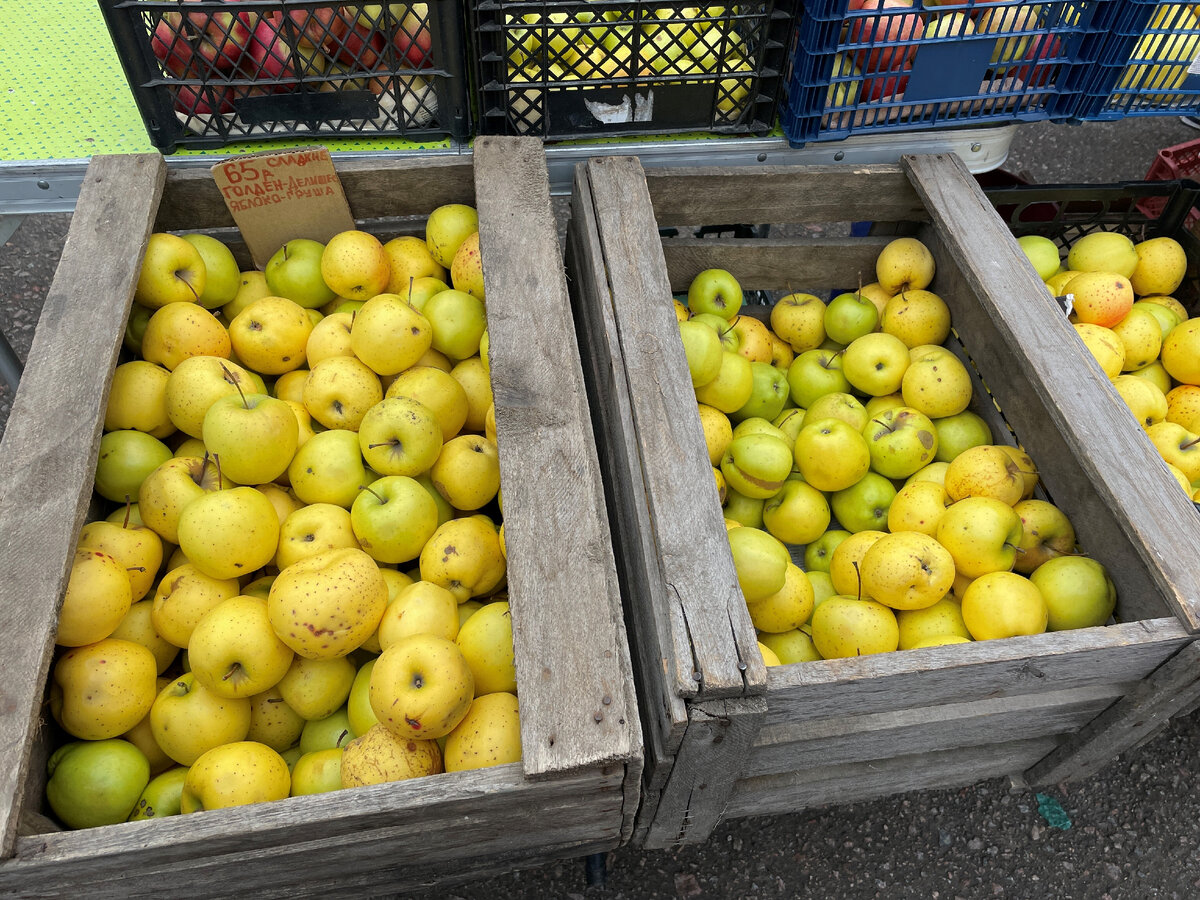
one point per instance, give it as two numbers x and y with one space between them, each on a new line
727 737
575 791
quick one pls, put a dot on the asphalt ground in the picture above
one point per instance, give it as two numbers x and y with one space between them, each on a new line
1130 832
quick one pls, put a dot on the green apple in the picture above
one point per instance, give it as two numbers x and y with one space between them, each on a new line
864 505
234 652
732 387
756 465
731 338
317 772
187 719
818 553
702 347
758 425
715 291
393 518
458 320
742 509
958 433
1166 316
838 405
982 534
399 436
446 228
330 732
171 486
252 436
135 328
1077 590
847 627
328 468
815 373
849 316
768 393
236 774
316 689
790 421
223 277
875 363
358 705
761 562
94 783
1042 254
831 455
161 796
799 319
418 291
797 514
126 458
172 271
901 440
421 687
230 533
294 272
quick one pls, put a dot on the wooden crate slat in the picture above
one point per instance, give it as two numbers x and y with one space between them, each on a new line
426 825
976 671
548 463
1091 429
663 711
925 729
781 194
700 579
819 786
52 437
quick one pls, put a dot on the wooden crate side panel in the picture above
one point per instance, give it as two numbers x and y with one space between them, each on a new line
1172 689
693 802
664 714
984 670
1077 426
398 836
776 264
878 778
580 708
926 729
52 438
781 194
682 497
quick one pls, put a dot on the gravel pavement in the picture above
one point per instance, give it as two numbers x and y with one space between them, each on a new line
1130 832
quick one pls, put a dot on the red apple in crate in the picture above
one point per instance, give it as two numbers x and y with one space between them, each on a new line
885 25
200 100
1045 47
413 41
270 55
171 46
354 44
884 87
223 37
313 26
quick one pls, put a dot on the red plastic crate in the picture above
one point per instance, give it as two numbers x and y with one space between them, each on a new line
1172 163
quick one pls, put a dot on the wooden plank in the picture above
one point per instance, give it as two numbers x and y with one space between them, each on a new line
1171 690
718 739
757 195
376 188
978 671
48 453
664 714
583 710
810 265
400 833
857 782
925 729
702 584
1084 427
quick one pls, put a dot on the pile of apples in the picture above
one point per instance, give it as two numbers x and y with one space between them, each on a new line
301 585
880 40
840 434
1120 296
582 45
243 52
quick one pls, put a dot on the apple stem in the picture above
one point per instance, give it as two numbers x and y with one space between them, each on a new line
233 670
232 379
1187 445
858 575
217 463
128 511
189 284
135 568
341 737
375 494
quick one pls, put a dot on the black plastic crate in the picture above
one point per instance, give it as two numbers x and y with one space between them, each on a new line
206 73
562 69
1138 209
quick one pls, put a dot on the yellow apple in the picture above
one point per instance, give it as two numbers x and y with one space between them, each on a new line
273 722
486 643
1181 352
918 506
1103 251
137 399
786 609
1077 591
982 534
355 266
421 687
182 598
438 391
180 330
1162 263
446 228
904 264
380 756
103 689
919 626
270 335
799 319
340 390
231 533
472 375
847 626
138 626
846 560
906 570
97 598
187 719
419 608
464 556
235 774
172 271
1047 533
1003 604
328 468
985 471
489 734
467 471
330 337
937 384
400 436
234 652
317 688
409 259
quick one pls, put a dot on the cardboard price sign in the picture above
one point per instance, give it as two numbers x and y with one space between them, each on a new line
276 196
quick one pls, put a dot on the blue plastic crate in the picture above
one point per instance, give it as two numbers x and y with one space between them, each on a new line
927 66
1148 64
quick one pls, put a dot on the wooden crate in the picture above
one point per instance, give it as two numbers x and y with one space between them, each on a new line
727 737
575 791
